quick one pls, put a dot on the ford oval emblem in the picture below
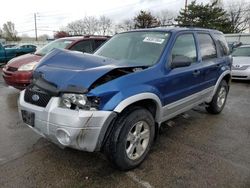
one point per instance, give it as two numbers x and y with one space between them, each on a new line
35 97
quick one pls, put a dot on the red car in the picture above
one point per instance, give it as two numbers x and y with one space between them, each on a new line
18 71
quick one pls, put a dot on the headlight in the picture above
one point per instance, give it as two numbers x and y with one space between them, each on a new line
79 101
28 67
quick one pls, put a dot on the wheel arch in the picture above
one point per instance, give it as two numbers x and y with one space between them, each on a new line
148 100
226 75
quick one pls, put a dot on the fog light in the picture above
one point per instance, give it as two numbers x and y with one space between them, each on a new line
63 137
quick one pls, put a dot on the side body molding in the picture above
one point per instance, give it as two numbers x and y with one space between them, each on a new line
138 97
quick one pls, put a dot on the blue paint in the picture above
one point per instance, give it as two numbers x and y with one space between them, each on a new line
65 68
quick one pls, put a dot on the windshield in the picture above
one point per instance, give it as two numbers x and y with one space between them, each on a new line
136 48
60 44
243 51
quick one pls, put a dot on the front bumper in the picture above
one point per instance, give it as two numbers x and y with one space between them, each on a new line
241 74
17 79
86 129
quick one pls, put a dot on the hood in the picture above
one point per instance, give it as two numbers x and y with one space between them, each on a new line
64 68
23 59
241 60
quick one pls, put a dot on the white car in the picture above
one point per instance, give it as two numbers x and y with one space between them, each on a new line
241 63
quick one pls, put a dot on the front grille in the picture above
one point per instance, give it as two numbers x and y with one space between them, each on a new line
36 98
244 67
12 69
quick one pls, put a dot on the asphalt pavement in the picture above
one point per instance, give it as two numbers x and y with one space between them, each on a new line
193 150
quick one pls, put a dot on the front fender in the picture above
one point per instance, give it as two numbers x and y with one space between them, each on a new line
126 97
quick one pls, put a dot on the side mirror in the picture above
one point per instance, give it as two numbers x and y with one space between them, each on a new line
181 61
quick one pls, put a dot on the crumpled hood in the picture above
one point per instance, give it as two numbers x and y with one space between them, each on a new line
66 68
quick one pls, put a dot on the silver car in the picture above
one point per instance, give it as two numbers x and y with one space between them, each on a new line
241 63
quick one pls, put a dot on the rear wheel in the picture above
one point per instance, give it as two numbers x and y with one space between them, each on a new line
131 138
219 99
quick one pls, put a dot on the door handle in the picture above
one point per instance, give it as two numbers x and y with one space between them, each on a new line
196 72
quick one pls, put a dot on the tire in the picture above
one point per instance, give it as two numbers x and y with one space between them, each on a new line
133 130
219 99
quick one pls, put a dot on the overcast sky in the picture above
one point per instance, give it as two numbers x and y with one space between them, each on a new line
54 14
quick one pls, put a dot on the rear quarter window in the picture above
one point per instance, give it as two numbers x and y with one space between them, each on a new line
222 44
207 46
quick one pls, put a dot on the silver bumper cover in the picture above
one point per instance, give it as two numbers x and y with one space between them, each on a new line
85 129
241 74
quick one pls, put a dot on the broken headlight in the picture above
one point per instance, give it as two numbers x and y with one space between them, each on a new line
79 101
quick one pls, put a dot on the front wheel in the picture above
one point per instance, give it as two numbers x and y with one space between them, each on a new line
219 99
131 138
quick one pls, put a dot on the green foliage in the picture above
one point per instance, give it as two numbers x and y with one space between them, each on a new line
206 16
145 20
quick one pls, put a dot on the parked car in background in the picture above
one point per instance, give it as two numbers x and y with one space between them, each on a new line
7 53
116 99
241 63
233 45
18 71
9 45
26 48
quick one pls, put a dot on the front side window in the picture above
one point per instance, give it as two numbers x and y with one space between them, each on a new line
59 44
135 48
185 46
207 46
98 43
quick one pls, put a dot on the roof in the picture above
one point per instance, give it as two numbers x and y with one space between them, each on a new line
176 29
75 38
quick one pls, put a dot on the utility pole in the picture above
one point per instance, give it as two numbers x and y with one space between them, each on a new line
186 2
35 26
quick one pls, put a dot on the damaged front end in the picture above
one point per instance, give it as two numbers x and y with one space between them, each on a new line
59 105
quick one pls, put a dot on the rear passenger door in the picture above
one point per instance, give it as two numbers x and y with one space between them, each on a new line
210 63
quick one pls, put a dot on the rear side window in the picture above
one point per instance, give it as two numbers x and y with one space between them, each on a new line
185 46
207 46
222 43
83 46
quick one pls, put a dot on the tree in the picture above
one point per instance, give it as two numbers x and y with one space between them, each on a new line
90 25
104 24
238 16
165 17
76 27
61 34
145 20
126 25
9 31
1 33
210 15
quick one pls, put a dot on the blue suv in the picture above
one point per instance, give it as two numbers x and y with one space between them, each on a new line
116 99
